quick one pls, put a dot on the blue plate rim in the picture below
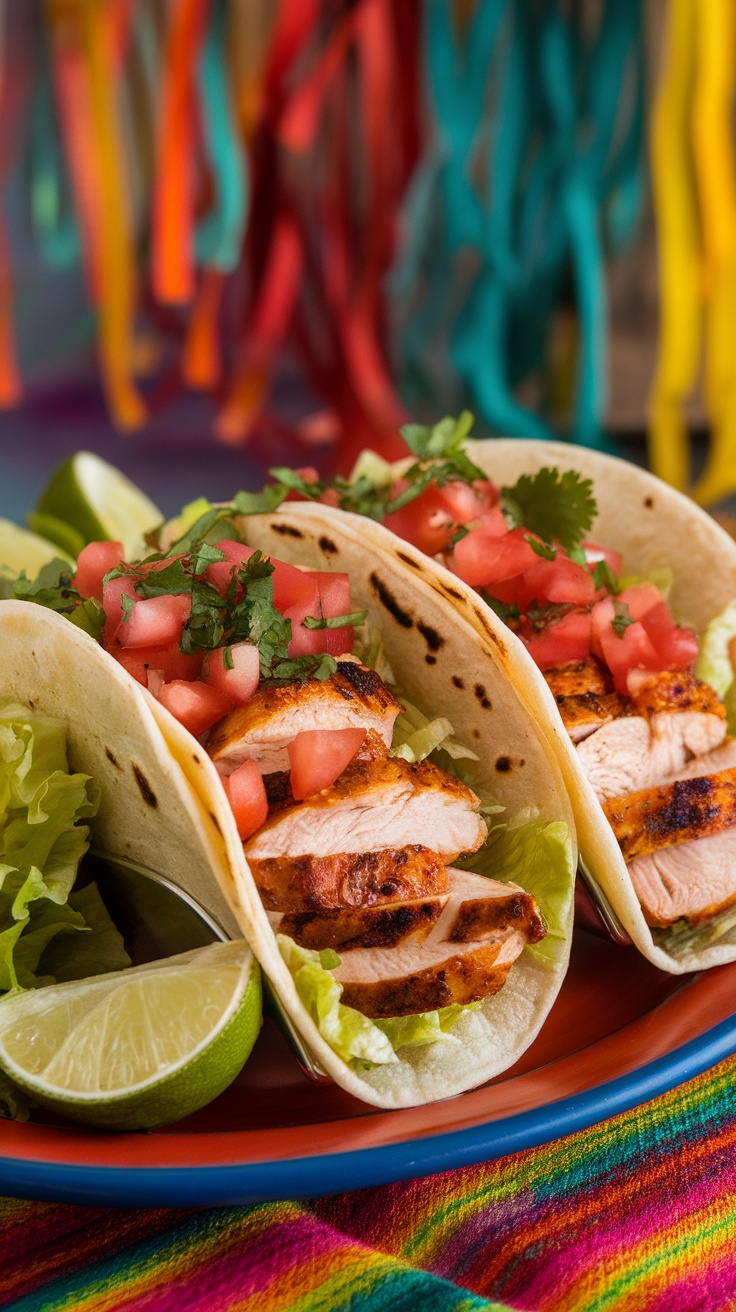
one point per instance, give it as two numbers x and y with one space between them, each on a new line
330 1173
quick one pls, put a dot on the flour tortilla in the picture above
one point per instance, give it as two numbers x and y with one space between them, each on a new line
447 667
654 527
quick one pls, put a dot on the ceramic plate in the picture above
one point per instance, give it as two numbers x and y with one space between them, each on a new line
621 1032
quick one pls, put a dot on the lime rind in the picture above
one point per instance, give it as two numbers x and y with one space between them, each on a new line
23 551
88 1029
99 502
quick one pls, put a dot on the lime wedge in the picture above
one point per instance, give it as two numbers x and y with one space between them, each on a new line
21 550
139 1047
55 530
98 501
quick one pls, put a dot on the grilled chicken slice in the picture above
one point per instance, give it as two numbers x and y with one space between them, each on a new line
377 802
348 880
723 758
673 690
353 697
693 880
380 925
677 812
588 676
413 977
584 714
632 752
475 909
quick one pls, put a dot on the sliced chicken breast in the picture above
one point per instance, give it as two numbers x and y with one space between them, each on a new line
353 697
376 803
584 714
349 880
723 758
589 676
672 813
693 880
401 981
632 752
475 909
673 690
380 925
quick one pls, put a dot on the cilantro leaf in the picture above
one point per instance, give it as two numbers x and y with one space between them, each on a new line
604 577
293 482
558 507
335 621
622 618
53 589
540 614
442 439
260 503
509 613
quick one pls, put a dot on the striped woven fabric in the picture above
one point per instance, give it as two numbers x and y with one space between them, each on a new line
636 1214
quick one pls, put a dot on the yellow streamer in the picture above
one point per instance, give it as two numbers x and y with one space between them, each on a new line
679 271
715 171
85 18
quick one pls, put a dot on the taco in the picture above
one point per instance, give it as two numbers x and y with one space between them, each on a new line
620 595
392 832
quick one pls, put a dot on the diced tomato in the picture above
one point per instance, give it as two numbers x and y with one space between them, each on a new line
334 592
155 621
242 680
677 647
641 599
247 797
319 756
482 558
93 563
463 501
195 705
171 662
563 642
294 587
112 595
426 521
220 574
594 553
558 580
313 642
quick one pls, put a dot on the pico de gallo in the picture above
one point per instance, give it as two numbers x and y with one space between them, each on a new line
202 626
524 548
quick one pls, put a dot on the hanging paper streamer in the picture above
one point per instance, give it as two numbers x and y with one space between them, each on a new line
415 201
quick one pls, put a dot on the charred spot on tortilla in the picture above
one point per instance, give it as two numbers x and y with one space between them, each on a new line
327 545
215 822
409 560
457 681
491 633
431 660
452 592
433 639
503 764
111 757
197 759
146 791
387 599
482 696
476 733
287 530
649 503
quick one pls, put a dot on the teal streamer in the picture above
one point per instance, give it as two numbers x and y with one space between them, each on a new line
219 237
52 210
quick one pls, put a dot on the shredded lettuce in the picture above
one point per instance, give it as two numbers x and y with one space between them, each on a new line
682 937
416 736
42 841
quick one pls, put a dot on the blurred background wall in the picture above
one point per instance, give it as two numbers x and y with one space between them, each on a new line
242 232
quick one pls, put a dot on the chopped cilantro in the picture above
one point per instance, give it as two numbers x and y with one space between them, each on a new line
557 507
542 549
604 577
260 503
127 604
622 618
540 614
53 588
335 621
509 613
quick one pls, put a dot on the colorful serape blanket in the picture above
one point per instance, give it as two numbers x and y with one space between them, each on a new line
635 1215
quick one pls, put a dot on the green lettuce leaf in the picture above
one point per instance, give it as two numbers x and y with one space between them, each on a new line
714 661
42 841
537 855
416 736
